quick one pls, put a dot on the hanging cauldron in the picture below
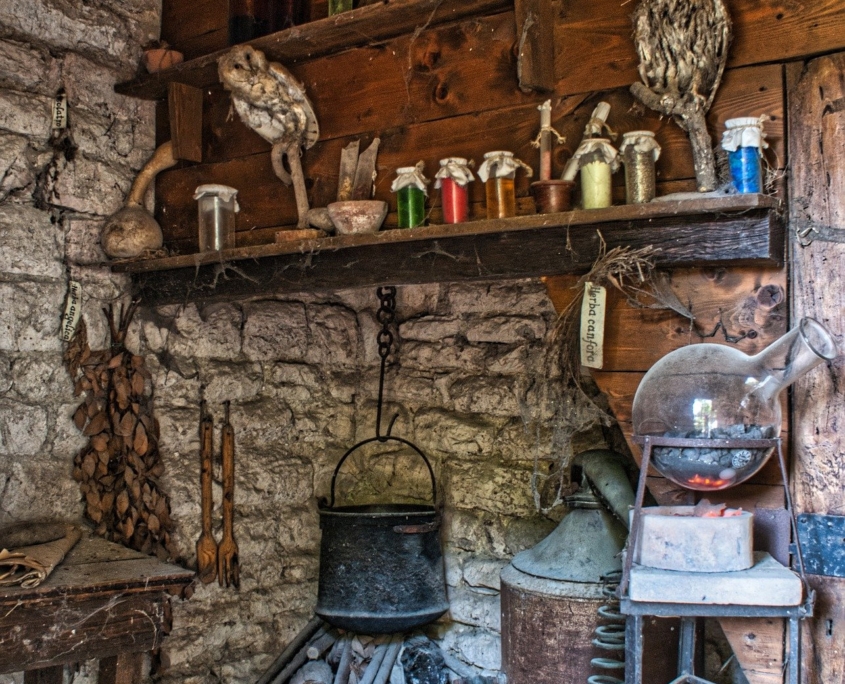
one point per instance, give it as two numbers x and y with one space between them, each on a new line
381 566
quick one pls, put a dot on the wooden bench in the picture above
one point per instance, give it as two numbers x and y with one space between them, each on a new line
103 601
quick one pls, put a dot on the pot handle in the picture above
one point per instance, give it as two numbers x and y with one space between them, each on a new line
388 438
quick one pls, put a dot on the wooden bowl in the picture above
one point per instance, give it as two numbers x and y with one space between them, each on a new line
357 216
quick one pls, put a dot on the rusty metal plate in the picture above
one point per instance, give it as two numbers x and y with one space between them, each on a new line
823 544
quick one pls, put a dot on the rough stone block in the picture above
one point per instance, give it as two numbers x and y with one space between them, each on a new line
484 572
275 331
82 241
30 243
475 606
28 69
29 317
457 435
448 356
429 329
506 329
85 27
17 171
26 114
217 377
333 337
495 396
480 648
41 379
486 487
91 187
505 297
23 428
768 583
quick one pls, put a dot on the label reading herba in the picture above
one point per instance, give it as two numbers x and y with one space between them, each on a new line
592 325
73 310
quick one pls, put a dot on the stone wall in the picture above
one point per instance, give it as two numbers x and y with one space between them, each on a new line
471 383
55 191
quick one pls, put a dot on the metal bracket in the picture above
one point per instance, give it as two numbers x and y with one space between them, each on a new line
822 540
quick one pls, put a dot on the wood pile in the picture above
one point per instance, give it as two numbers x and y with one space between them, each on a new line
118 469
320 654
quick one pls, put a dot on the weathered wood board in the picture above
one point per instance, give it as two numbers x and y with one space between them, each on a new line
816 97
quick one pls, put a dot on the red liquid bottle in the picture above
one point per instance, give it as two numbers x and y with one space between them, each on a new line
453 178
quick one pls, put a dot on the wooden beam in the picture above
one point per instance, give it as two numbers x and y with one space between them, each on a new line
362 26
126 668
815 93
45 675
535 35
694 232
184 105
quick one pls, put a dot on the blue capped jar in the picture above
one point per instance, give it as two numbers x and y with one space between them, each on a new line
744 141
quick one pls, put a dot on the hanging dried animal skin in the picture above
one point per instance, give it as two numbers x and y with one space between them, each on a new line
118 470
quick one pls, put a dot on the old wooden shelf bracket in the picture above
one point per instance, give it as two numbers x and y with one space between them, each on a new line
731 230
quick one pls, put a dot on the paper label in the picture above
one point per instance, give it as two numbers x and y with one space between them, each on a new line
73 310
592 325
60 110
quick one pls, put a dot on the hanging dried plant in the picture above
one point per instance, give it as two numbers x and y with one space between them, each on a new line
119 468
683 48
631 272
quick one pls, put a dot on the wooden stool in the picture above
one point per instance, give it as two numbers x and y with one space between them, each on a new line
103 601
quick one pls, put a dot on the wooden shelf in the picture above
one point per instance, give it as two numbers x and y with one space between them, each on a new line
736 230
363 26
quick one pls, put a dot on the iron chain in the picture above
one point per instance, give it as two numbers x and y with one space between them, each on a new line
386 315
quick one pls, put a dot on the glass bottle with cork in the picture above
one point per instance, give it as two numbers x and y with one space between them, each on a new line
410 188
452 179
597 160
498 173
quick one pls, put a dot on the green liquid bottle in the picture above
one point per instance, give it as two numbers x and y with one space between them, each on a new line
410 202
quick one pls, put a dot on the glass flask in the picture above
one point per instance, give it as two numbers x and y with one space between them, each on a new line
217 205
716 392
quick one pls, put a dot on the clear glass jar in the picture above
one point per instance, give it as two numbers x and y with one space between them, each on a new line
217 206
639 151
716 392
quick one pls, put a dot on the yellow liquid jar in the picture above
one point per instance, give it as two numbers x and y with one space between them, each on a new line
501 197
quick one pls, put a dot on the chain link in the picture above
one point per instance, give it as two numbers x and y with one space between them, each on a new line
386 315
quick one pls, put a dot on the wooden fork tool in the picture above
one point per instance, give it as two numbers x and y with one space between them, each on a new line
228 572
206 544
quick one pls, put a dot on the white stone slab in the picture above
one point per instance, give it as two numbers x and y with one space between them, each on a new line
767 583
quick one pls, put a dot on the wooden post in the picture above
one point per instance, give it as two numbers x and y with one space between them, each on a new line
535 35
815 96
46 675
184 107
122 669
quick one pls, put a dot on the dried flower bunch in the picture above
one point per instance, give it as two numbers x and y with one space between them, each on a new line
119 468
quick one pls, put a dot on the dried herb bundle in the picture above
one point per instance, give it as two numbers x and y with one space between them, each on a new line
631 272
118 470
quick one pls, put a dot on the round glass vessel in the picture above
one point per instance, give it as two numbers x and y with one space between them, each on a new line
716 392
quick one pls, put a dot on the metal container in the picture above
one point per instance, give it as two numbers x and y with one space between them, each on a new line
381 566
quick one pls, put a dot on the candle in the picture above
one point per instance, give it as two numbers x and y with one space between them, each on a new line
545 140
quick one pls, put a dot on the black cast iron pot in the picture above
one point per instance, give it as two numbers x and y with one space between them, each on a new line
381 566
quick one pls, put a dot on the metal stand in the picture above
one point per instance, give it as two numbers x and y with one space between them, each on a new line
689 612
